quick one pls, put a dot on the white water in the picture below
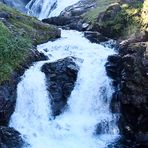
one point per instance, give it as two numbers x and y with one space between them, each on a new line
88 103
47 8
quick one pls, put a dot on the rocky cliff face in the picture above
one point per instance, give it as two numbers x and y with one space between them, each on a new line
10 138
129 72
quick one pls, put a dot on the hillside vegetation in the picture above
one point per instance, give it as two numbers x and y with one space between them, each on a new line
118 18
18 34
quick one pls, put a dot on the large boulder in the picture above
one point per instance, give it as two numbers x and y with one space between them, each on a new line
108 23
67 22
95 37
61 76
10 138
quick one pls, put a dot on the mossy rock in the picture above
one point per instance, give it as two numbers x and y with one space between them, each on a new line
102 5
145 15
118 20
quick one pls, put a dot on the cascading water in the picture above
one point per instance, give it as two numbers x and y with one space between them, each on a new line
88 103
47 8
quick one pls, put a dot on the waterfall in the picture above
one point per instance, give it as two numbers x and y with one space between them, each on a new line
48 8
87 122
88 105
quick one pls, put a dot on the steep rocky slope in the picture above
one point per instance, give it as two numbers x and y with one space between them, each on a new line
128 70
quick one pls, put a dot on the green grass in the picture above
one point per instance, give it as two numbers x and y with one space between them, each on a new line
18 34
13 51
29 27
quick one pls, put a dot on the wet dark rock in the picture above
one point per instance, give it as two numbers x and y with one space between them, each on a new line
114 67
61 76
10 138
59 21
115 104
102 128
131 48
5 15
131 91
8 88
95 37
67 22
7 101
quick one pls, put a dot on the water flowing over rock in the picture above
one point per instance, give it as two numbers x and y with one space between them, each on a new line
8 89
61 76
47 8
82 122
72 16
41 8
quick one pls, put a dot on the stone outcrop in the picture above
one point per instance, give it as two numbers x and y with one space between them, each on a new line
10 138
61 76
95 37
